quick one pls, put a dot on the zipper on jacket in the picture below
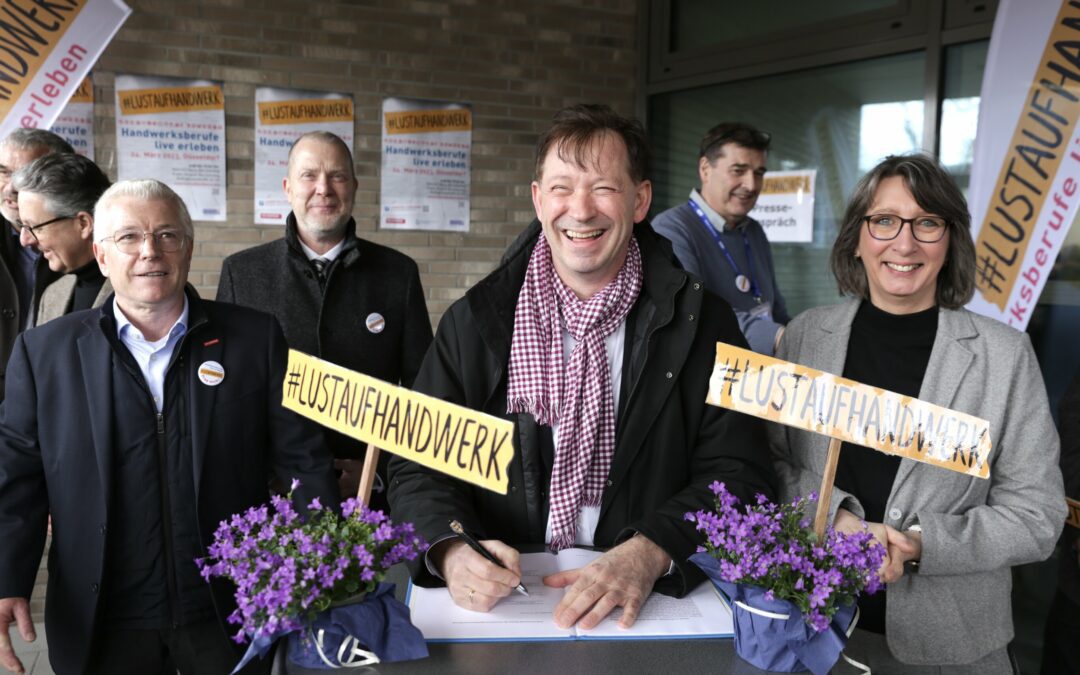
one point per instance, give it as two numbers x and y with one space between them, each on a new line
161 442
166 523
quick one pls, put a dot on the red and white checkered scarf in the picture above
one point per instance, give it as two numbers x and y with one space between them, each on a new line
577 396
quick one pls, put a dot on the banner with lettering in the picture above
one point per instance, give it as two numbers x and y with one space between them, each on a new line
448 438
282 116
46 49
76 122
785 392
1026 169
785 207
174 131
426 165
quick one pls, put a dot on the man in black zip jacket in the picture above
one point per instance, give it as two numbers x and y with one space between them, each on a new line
339 297
599 347
139 426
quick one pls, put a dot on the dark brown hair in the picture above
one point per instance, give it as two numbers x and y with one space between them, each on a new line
739 133
573 129
936 192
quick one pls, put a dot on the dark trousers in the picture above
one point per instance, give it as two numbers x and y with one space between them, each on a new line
1060 651
195 649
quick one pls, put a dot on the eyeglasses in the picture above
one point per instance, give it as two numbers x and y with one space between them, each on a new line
130 242
886 226
32 229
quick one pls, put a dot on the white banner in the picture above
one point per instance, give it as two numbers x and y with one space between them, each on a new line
174 131
76 122
785 207
1026 169
426 165
282 116
46 49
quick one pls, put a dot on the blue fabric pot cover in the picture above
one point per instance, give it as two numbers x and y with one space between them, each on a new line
379 624
783 645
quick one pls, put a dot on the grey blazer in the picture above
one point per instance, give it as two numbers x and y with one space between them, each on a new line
57 298
955 608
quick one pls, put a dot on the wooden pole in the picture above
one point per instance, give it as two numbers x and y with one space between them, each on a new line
825 495
367 476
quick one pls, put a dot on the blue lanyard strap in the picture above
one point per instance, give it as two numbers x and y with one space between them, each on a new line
723 249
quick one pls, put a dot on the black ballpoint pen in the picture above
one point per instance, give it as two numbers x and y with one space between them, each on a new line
478 547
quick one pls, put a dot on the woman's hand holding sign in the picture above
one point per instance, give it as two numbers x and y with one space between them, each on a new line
902 546
846 521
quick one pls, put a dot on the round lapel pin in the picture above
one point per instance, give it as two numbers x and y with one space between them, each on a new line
375 322
211 373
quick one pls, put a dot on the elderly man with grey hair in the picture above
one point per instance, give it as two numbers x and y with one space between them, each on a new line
172 421
23 273
56 195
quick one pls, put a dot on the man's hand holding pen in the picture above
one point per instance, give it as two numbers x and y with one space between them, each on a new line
474 582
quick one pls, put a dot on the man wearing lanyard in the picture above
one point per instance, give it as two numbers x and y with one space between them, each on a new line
715 239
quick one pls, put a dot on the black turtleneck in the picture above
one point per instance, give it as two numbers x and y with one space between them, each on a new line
88 282
890 351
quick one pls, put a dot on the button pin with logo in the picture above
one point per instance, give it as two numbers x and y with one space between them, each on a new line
375 322
211 373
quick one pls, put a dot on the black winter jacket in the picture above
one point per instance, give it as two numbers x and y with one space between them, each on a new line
670 445
371 318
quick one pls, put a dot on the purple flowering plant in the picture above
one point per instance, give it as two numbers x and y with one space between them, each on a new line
773 546
288 568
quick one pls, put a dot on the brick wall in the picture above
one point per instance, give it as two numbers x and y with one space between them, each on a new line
516 61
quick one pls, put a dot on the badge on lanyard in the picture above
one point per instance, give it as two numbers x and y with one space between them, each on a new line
743 283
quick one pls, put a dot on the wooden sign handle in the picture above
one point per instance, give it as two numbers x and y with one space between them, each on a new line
367 476
825 495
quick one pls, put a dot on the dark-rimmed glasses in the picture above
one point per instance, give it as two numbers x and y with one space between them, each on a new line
32 229
887 226
129 242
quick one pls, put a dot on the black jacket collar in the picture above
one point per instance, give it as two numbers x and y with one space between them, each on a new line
106 318
350 252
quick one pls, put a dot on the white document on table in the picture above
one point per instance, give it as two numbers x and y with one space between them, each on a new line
701 614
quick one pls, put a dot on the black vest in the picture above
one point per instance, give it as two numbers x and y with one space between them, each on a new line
151 578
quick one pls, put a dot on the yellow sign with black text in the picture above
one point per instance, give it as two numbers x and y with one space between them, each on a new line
305 111
1045 121
785 392
470 445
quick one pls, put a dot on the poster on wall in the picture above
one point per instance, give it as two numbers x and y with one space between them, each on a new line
282 116
174 131
785 207
75 124
46 49
1025 177
426 163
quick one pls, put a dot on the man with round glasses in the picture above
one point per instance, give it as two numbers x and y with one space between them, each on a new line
171 421
56 196
715 238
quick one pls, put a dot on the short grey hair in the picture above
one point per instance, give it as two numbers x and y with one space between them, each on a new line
329 139
26 139
145 189
68 183
936 192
